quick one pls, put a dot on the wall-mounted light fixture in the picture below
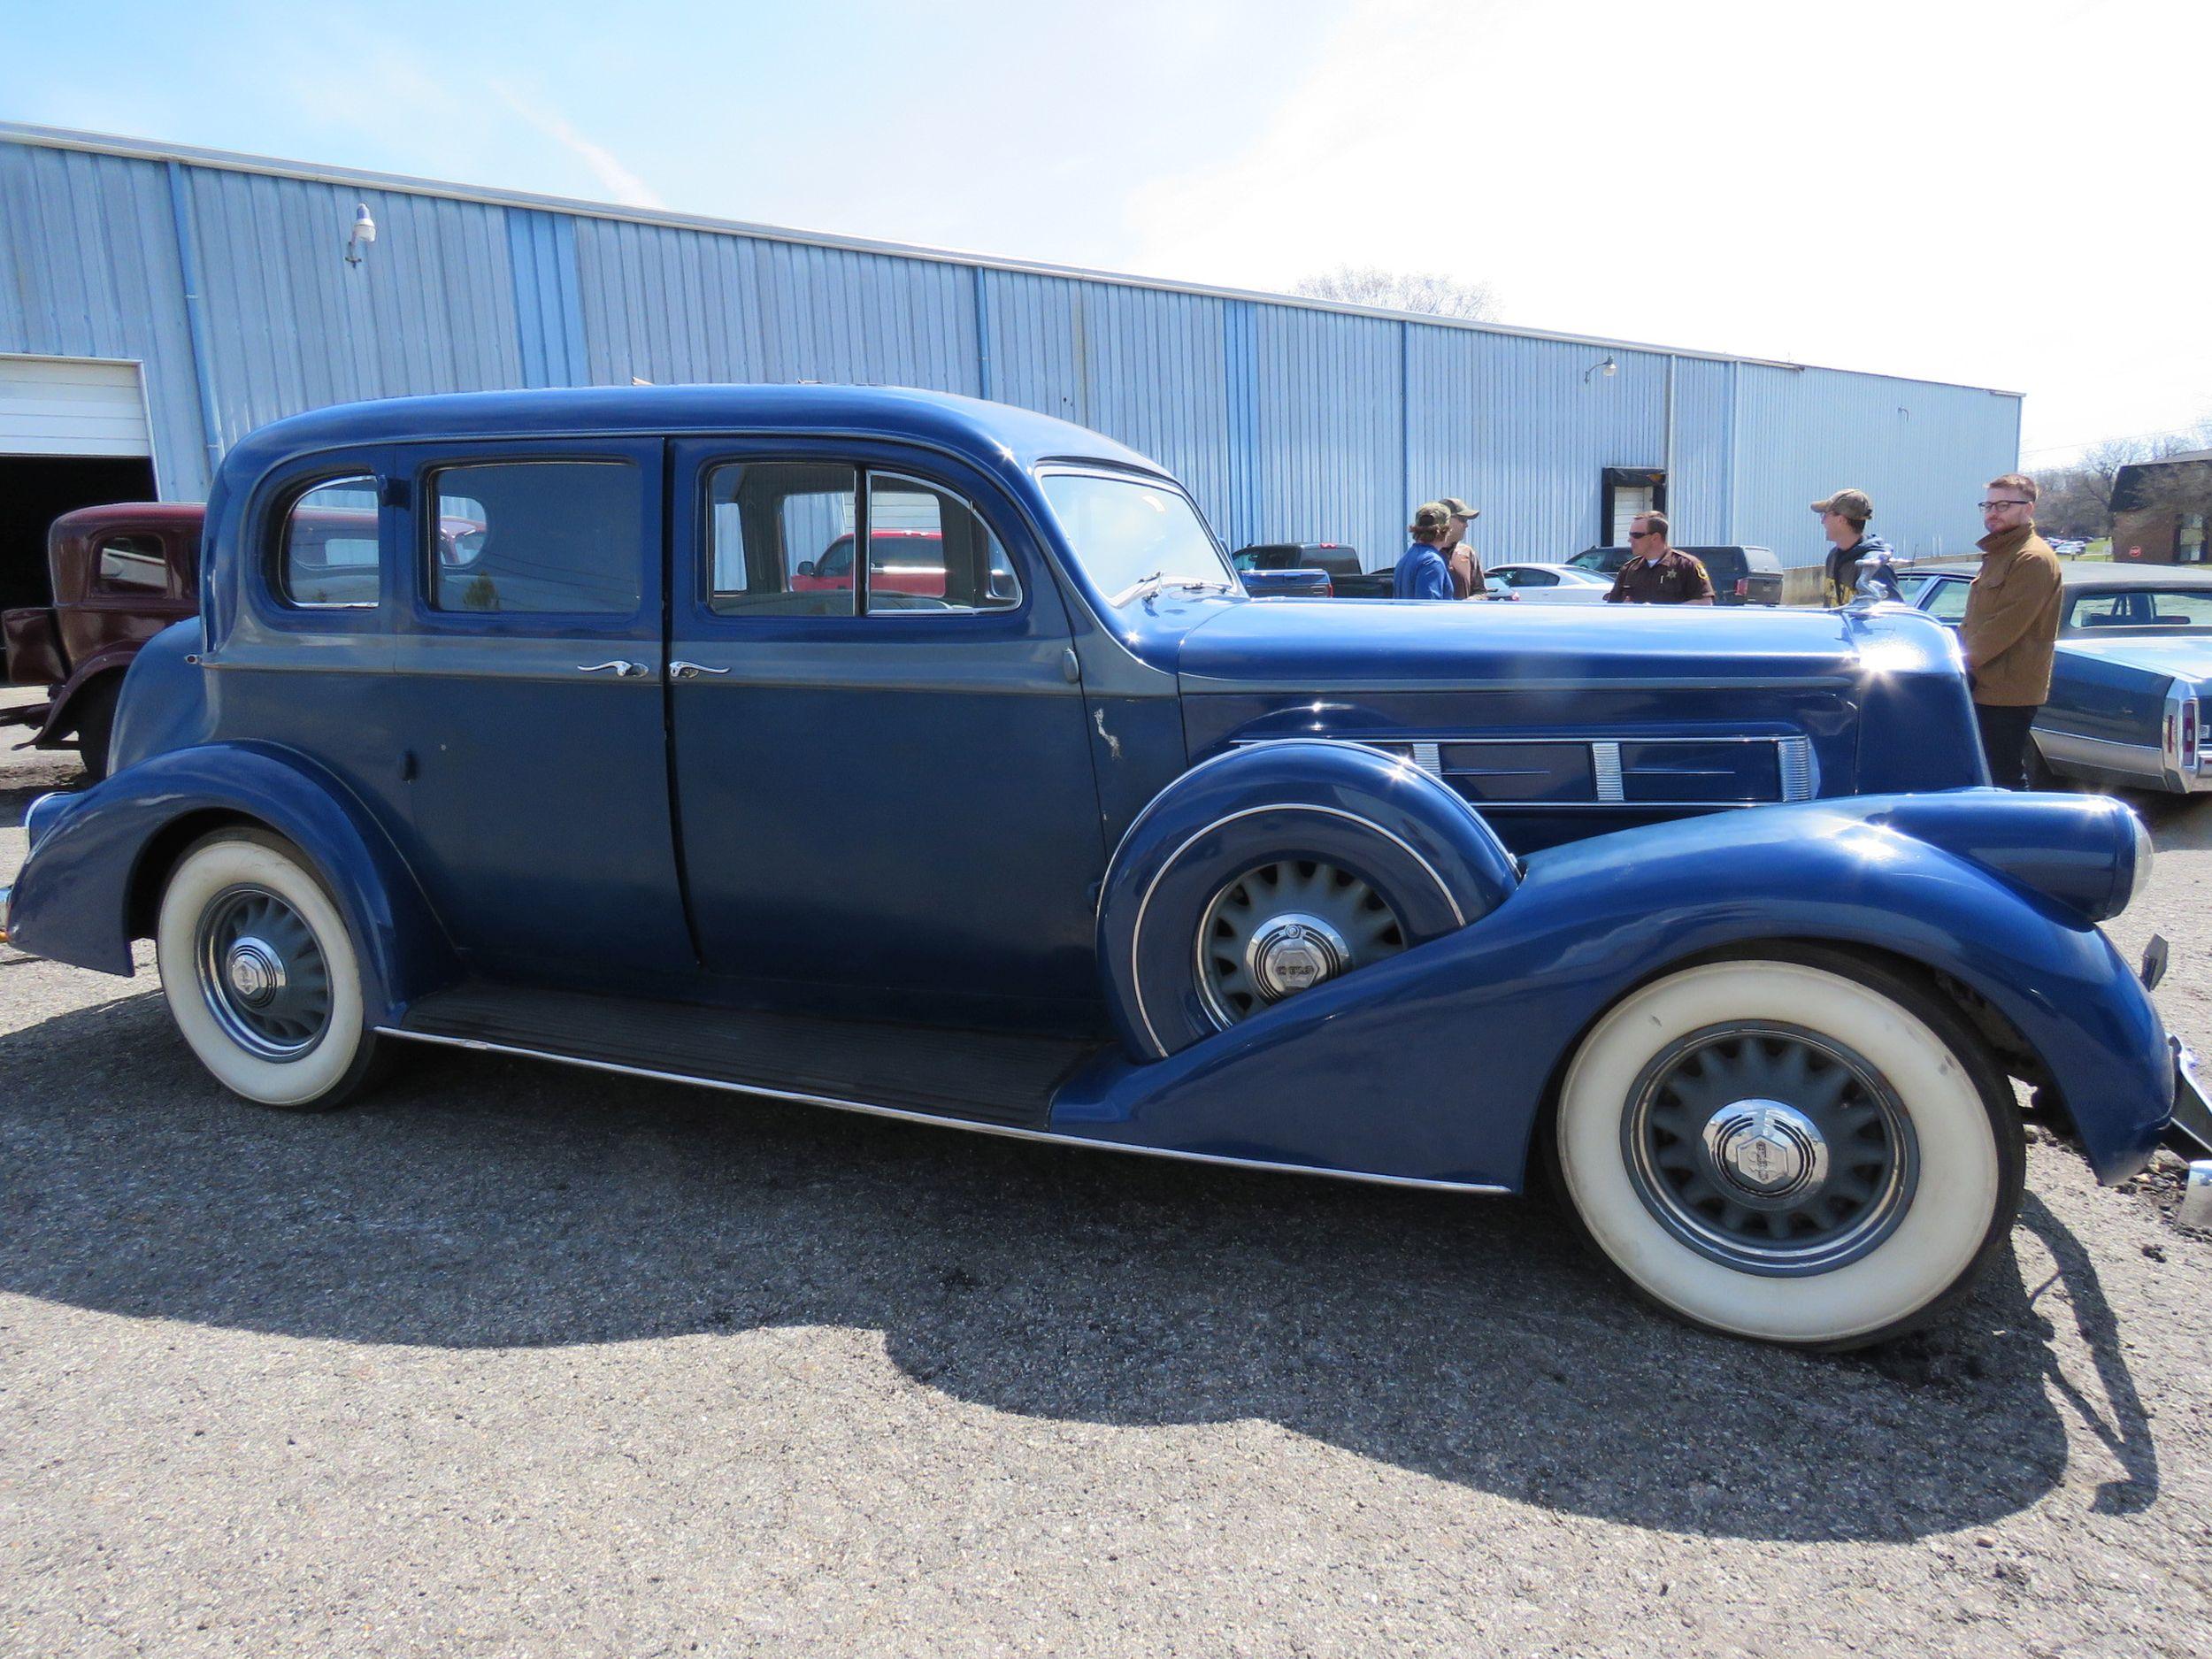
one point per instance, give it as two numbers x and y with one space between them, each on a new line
363 234
1606 366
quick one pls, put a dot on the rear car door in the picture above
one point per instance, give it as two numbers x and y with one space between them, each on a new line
530 652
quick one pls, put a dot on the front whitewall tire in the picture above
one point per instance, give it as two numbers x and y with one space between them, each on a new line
1967 1179
254 861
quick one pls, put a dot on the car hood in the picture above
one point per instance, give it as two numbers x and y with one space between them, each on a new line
2183 656
1496 645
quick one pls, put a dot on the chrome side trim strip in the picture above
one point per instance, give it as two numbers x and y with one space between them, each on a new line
1605 766
2141 759
900 1114
1800 769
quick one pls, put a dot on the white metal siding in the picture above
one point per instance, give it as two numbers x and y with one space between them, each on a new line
51 406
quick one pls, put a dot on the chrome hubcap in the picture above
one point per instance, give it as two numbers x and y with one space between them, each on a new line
1771 1148
255 973
262 973
1295 953
1771 1154
1284 927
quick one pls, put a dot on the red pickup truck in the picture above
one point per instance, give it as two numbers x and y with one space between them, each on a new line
121 574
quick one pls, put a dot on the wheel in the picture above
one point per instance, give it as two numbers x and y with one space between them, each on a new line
1285 926
261 973
1806 1149
95 723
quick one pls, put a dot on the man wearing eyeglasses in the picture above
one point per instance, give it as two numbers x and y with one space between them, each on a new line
1655 573
2010 627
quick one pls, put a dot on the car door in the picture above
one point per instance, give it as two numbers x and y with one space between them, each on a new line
530 649
884 796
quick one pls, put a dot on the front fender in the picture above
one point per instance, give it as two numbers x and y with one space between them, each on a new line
1433 1065
72 899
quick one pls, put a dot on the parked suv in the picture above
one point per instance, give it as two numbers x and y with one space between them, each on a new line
1741 575
121 574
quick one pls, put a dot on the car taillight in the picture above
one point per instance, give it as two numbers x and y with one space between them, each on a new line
1743 586
1328 589
2189 755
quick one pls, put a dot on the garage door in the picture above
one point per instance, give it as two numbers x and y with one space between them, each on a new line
62 406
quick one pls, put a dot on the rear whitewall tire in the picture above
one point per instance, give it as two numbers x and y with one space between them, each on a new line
210 875
1967 1148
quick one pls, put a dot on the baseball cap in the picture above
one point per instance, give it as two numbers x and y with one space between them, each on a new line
1432 515
1457 508
1852 503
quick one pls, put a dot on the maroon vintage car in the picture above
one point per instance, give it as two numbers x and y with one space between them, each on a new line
122 574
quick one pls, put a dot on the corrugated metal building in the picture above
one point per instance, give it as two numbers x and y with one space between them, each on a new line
160 301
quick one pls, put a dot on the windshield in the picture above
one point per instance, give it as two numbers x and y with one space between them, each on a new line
1125 531
2140 608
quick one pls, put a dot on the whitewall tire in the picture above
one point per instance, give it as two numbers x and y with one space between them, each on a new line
1807 1150
262 974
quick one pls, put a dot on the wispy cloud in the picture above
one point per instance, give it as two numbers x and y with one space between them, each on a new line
624 185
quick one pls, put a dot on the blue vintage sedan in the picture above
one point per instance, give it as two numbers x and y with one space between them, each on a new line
1076 841
2129 679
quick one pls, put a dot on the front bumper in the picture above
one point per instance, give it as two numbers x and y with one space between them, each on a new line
2189 1133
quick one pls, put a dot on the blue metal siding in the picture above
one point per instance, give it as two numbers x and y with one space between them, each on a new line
1922 451
430 309
1286 421
549 308
90 254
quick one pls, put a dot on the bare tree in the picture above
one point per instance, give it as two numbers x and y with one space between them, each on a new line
1402 291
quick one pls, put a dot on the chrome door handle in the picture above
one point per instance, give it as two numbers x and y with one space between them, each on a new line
620 668
682 670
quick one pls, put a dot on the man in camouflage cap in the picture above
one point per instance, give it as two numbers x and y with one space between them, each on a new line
1844 516
1465 564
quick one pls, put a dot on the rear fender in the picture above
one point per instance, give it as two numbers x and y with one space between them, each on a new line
1434 1066
92 881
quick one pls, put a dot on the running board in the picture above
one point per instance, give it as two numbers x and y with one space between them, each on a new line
981 1078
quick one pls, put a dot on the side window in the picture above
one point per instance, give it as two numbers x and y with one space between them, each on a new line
330 557
780 538
556 537
1947 603
928 550
133 564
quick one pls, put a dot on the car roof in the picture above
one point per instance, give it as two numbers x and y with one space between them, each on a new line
2095 573
964 423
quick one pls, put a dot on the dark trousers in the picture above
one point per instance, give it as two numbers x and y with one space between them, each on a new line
2005 741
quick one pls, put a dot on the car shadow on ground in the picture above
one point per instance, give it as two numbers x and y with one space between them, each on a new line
476 1201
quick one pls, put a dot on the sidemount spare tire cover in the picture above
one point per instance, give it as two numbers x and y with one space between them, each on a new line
1423 850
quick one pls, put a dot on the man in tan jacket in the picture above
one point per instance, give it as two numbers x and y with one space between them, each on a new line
2010 626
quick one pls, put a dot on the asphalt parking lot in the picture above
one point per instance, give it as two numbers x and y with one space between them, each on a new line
521 1360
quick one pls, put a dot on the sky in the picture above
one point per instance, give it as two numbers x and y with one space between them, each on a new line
2006 195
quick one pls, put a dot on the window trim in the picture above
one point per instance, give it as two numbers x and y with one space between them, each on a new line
426 517
102 588
706 454
278 541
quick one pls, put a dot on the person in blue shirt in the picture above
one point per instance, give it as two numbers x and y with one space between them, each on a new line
1423 574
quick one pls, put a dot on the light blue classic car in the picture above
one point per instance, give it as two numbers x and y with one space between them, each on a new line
1057 832
2130 678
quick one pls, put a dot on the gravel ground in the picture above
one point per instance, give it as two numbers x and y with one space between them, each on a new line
521 1360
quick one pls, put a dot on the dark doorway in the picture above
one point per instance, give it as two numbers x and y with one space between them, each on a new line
35 490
